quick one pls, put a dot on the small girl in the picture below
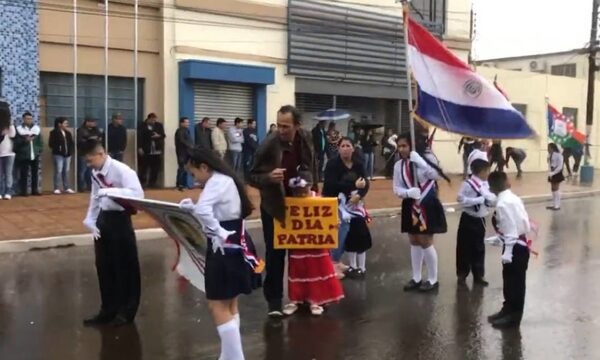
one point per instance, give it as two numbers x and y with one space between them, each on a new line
232 267
555 175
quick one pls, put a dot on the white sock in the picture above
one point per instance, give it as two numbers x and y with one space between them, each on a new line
431 261
231 341
556 198
352 259
362 259
236 317
416 259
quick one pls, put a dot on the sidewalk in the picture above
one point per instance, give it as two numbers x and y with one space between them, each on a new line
60 215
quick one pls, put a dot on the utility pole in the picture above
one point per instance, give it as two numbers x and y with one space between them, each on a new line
587 171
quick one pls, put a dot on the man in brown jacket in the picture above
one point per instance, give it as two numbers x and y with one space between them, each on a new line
283 155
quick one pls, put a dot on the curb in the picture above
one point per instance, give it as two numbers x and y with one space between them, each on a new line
12 246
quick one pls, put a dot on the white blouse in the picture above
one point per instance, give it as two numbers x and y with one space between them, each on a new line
555 163
423 174
219 201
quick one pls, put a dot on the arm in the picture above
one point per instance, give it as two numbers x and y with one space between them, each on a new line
258 176
461 143
124 145
94 207
363 174
52 139
392 141
331 185
203 211
465 197
397 184
12 131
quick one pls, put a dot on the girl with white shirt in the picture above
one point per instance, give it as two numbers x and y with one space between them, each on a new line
232 267
555 174
7 155
422 212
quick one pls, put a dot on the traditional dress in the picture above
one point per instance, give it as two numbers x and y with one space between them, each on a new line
311 278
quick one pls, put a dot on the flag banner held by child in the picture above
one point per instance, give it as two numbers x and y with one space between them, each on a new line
310 223
453 97
186 232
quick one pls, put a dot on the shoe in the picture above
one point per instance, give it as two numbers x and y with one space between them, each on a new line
180 188
552 208
428 286
461 280
56 192
360 274
7 197
275 310
37 193
480 281
70 191
507 321
290 309
351 273
316 310
120 320
100 319
412 285
496 316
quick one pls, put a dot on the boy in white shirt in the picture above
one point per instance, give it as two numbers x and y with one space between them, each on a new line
512 225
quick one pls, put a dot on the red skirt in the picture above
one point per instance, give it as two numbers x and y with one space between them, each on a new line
311 278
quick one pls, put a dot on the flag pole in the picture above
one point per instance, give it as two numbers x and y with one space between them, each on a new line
405 15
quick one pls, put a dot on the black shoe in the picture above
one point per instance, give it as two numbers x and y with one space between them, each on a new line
461 280
496 316
427 286
121 320
412 285
507 321
180 188
552 208
350 273
480 281
275 310
360 274
100 319
36 193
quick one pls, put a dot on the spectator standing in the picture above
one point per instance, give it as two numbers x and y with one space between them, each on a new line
183 145
368 144
203 135
62 145
333 138
272 129
151 144
319 137
28 147
7 155
235 136
117 137
249 146
88 131
466 143
219 141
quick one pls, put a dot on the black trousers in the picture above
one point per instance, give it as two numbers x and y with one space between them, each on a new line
513 277
117 265
320 157
470 247
149 167
275 264
25 166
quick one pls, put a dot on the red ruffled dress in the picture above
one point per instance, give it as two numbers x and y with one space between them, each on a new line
311 278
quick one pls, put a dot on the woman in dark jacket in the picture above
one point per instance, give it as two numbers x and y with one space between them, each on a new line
62 145
345 175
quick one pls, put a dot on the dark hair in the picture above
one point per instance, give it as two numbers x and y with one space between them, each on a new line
479 165
220 121
58 121
205 119
553 147
90 146
4 115
116 116
356 158
250 121
477 145
214 162
183 119
88 119
331 125
290 109
27 113
497 181
151 115
238 120
421 146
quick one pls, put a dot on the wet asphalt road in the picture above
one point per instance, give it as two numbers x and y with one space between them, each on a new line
44 295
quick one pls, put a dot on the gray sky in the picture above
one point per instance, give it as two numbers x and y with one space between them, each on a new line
521 27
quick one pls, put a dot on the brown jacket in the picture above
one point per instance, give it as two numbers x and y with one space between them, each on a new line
268 158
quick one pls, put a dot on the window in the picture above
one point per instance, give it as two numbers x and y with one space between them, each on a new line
570 113
522 108
569 70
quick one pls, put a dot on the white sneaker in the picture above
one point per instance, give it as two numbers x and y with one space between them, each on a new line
56 192
7 197
290 309
70 191
316 310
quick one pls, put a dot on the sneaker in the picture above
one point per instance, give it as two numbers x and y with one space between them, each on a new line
275 310
290 309
70 191
428 286
316 310
496 316
7 197
56 192
412 285
552 208
480 281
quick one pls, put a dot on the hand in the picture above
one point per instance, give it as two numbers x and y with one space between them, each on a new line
218 242
414 193
417 159
506 258
187 205
91 226
276 176
360 183
110 192
493 240
354 199
141 152
489 197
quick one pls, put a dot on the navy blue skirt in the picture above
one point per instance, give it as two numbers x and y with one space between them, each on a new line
435 217
230 275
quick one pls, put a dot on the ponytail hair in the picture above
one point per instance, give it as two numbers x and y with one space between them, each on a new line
198 157
421 149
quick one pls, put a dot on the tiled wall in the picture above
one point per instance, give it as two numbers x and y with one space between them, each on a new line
19 56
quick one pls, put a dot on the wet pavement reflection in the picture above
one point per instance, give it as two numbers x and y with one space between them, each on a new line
44 295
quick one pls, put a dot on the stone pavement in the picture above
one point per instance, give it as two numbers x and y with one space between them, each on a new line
57 215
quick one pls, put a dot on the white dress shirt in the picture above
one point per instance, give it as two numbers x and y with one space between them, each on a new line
236 138
475 155
219 201
121 179
424 173
6 145
472 197
555 163
512 221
